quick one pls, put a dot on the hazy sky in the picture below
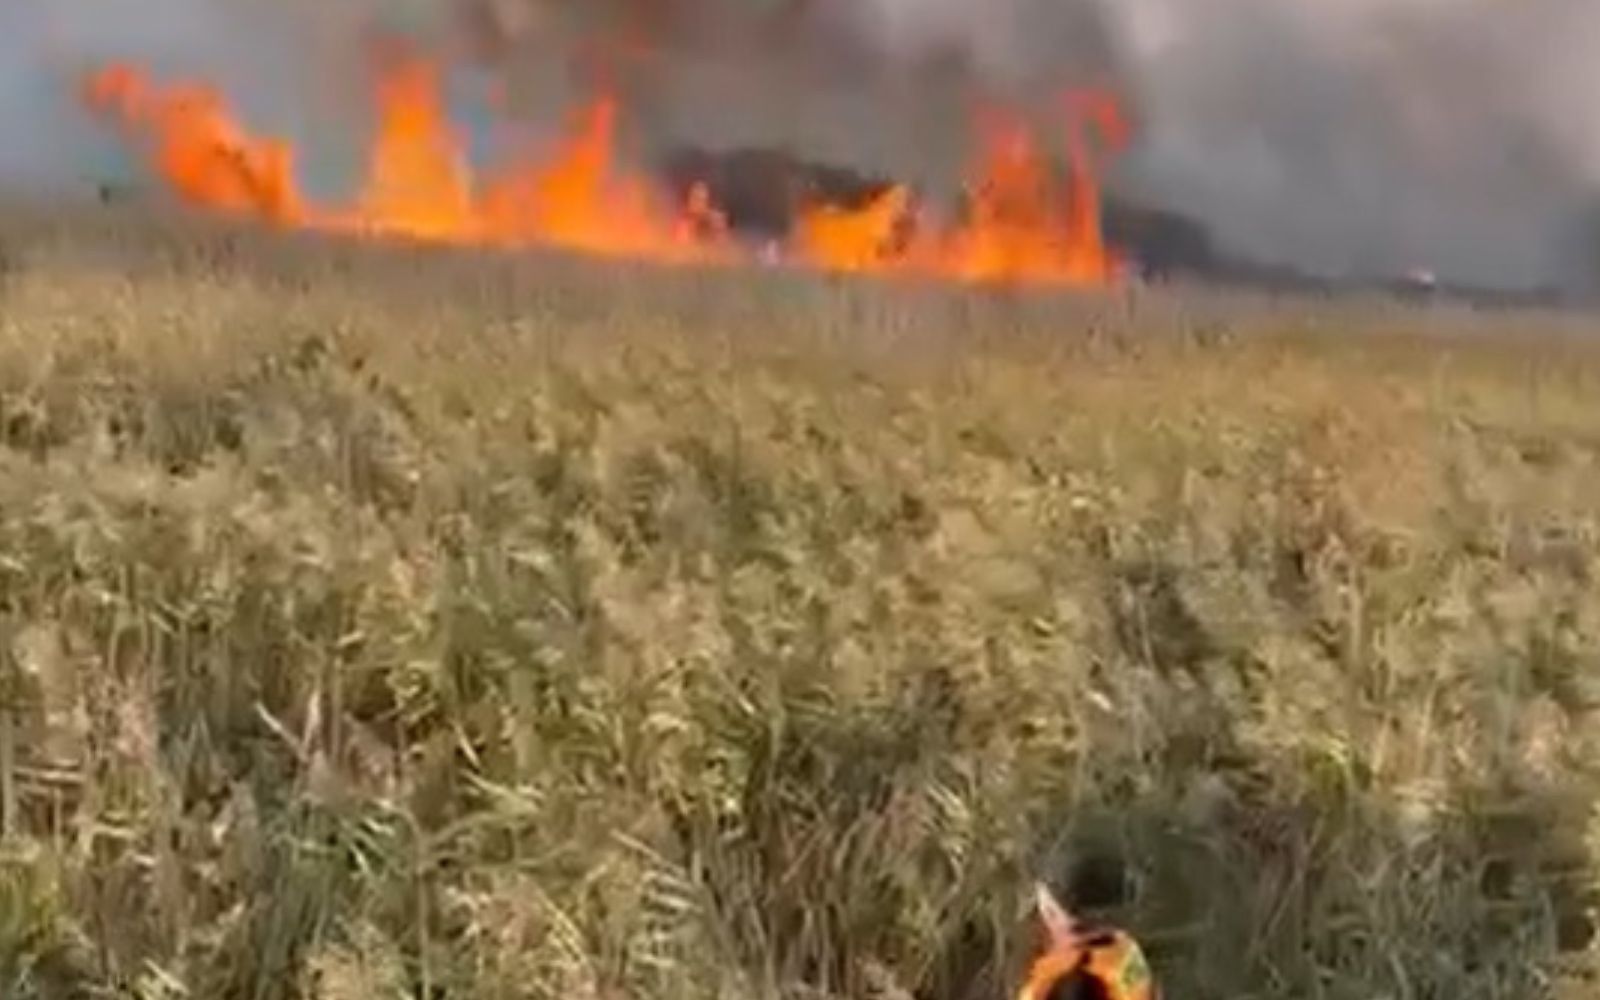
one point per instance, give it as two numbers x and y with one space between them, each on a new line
1362 134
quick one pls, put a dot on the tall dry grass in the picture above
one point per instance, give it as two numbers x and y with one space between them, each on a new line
390 624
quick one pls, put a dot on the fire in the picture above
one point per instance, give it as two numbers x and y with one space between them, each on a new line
195 145
418 182
862 239
578 200
1021 224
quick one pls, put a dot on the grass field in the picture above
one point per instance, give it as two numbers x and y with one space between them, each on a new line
385 623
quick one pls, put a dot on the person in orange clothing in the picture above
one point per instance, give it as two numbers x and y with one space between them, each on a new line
1084 961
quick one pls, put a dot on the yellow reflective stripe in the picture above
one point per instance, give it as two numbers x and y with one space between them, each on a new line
1135 970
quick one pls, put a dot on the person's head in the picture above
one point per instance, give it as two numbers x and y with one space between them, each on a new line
1084 961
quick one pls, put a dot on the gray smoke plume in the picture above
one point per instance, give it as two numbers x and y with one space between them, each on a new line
1347 135
289 68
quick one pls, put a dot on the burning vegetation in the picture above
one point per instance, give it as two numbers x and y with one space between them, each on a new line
1021 218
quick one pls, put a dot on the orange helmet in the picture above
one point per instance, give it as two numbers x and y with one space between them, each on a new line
1083 961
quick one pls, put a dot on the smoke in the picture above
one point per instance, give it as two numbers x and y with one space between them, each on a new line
291 68
43 138
1365 136
1354 136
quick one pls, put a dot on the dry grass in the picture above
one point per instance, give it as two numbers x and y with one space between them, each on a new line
394 624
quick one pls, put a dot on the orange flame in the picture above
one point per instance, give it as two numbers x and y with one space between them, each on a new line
579 201
206 158
853 240
1021 225
418 182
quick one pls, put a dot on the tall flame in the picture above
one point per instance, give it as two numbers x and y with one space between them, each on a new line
418 182
1022 224
195 145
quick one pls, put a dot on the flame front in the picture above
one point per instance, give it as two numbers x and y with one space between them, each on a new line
418 183
1020 224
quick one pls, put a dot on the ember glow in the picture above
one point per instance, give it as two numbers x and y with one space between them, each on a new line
1021 223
